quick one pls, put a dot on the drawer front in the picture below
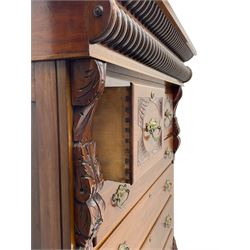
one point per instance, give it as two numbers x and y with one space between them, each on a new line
137 224
130 128
114 213
148 127
169 243
162 228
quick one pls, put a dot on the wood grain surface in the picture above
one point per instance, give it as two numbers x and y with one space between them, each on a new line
88 79
160 231
59 29
134 228
113 215
45 163
65 122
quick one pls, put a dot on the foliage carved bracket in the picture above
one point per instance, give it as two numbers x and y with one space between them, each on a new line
177 94
88 78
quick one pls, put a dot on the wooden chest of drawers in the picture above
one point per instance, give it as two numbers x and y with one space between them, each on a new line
106 80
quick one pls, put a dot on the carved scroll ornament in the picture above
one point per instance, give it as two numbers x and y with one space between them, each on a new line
177 94
88 78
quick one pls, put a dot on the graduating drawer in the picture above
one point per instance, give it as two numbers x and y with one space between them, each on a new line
133 230
116 210
130 129
162 228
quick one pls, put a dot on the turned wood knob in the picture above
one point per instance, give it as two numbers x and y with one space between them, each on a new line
98 11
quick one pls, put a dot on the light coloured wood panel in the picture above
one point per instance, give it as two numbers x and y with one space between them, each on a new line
160 231
132 75
113 214
111 131
102 53
138 223
148 104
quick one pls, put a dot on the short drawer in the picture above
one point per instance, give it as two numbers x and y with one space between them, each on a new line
137 224
148 127
162 228
116 210
130 126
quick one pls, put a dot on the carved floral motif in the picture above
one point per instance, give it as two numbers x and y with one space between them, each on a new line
149 121
87 79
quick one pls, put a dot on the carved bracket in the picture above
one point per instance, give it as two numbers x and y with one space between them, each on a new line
177 94
87 77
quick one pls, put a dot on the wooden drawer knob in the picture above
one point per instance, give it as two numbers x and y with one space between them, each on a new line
123 246
120 196
168 222
98 11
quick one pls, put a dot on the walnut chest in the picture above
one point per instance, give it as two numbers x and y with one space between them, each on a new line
106 80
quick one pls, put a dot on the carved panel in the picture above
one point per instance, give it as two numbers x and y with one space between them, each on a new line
87 79
149 121
148 127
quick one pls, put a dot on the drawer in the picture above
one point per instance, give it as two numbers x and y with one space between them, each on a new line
113 213
169 243
162 228
148 125
113 135
133 230
129 131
